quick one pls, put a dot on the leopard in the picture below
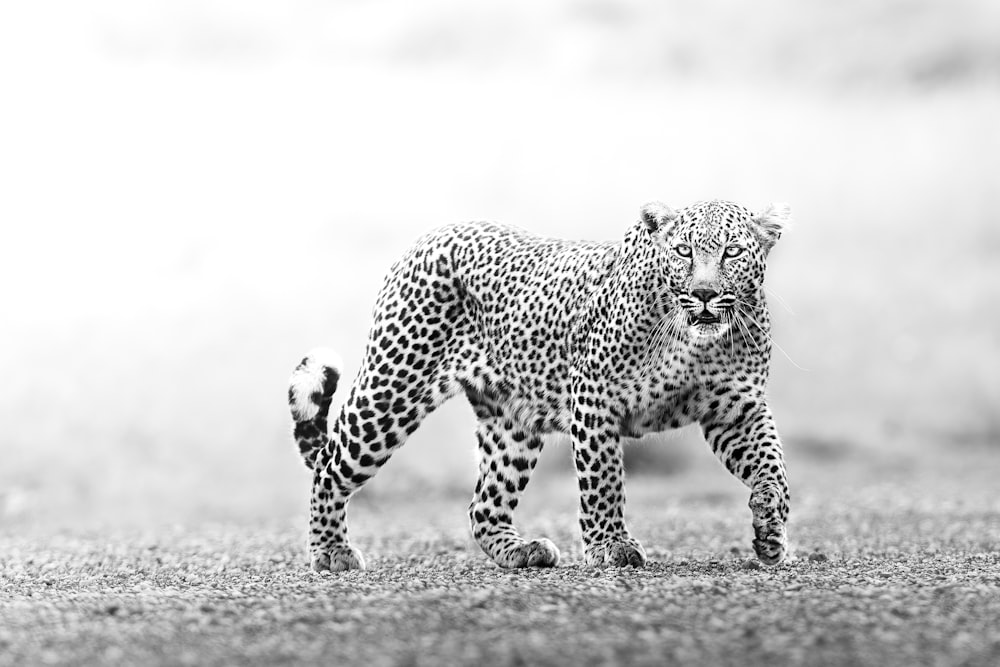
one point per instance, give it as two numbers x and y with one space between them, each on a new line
601 341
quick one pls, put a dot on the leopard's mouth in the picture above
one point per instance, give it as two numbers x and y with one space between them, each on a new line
704 317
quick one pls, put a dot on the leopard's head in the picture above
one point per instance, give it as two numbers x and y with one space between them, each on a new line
714 255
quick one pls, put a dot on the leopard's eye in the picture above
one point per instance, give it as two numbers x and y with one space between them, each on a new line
734 251
683 250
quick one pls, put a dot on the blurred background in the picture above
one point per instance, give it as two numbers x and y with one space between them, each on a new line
193 194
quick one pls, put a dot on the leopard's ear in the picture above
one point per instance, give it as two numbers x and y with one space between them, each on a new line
770 223
658 217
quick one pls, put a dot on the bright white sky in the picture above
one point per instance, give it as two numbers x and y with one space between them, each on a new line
139 139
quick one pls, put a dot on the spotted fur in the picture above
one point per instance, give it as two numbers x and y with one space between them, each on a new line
602 341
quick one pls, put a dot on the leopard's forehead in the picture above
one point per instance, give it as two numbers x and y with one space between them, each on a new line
710 224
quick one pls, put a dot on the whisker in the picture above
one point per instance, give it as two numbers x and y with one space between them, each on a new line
665 332
778 298
672 331
744 329
728 317
655 342
771 340
745 333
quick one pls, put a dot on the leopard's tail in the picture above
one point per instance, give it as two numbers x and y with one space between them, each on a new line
310 393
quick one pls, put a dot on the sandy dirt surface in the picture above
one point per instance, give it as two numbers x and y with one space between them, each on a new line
881 575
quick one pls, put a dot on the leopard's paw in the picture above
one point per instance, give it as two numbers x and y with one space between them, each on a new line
770 543
769 510
534 553
337 559
616 552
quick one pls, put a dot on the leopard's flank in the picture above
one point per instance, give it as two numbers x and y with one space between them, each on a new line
601 341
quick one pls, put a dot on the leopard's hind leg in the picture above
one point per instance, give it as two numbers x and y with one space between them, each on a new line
403 378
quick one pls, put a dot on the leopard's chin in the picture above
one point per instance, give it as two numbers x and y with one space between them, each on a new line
708 330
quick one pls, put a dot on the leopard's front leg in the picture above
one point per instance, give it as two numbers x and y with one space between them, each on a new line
600 474
749 446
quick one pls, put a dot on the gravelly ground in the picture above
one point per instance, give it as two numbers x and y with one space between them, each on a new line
887 576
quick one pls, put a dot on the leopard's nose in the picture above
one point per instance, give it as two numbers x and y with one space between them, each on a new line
705 295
